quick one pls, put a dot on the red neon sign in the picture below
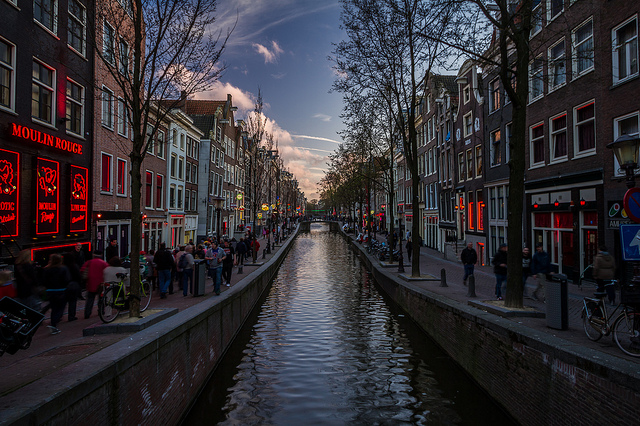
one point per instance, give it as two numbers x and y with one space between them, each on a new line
24 132
33 251
9 190
79 199
47 196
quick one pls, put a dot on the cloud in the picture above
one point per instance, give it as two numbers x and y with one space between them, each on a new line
315 138
323 117
270 56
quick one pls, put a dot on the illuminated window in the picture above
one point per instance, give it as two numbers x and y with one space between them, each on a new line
559 137
159 191
42 89
148 189
108 43
75 108
584 132
480 209
122 177
76 35
107 108
625 50
105 185
583 52
470 212
7 74
536 137
45 12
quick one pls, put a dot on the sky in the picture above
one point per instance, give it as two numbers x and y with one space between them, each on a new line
281 47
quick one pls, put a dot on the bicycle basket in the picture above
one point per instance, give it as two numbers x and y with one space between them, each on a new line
630 295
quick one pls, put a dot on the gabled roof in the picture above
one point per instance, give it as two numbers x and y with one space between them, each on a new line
203 107
446 81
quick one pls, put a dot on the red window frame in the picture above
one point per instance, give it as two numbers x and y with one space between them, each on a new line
122 177
148 189
105 181
159 190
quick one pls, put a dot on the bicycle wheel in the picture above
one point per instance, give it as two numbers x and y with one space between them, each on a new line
145 295
107 309
626 333
591 325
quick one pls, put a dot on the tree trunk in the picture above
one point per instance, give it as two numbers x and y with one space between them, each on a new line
136 229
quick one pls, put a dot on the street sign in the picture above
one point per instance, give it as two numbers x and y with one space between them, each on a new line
630 239
632 204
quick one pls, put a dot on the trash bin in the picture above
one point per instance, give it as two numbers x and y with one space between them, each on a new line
199 277
557 302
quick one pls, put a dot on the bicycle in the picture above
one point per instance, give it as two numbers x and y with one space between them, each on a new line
625 328
115 298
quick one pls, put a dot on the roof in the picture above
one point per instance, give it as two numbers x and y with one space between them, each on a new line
203 107
446 81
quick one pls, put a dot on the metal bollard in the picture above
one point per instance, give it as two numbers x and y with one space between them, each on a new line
443 278
472 286
400 263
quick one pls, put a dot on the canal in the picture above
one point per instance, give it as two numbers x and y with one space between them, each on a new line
326 347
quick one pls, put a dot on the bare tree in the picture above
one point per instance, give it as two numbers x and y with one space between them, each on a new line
156 53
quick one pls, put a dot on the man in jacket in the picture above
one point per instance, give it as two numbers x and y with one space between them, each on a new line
540 267
469 258
215 256
164 263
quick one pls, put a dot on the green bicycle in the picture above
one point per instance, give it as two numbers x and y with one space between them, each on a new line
115 298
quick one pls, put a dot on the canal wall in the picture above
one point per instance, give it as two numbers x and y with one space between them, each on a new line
152 376
537 377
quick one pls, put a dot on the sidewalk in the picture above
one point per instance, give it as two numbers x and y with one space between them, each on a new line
432 262
49 353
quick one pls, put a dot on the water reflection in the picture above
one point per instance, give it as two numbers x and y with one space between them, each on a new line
325 348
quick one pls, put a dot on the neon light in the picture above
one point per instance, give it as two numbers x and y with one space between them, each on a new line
79 199
9 193
59 246
24 132
47 196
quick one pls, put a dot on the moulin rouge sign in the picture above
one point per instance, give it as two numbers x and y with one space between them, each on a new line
9 188
26 133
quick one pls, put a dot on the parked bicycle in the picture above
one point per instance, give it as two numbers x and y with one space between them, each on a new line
597 322
115 298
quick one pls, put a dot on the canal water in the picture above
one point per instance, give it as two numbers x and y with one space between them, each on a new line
326 348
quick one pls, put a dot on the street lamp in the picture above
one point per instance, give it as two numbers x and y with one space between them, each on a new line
626 149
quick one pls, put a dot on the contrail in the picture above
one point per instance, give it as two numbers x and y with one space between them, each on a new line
315 138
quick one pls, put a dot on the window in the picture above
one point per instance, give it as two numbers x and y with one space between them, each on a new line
554 8
180 168
559 137
584 132
172 168
107 108
461 173
466 93
124 58
45 12
105 181
625 50
77 27
507 142
122 177
148 190
180 197
181 141
469 164
470 211
557 66
194 174
478 161
123 126
537 144
187 199
189 146
172 196
468 123
536 17
194 205
108 43
583 52
174 139
159 190
7 75
501 209
496 149
626 125
160 144
494 97
480 209
536 82
42 89
75 108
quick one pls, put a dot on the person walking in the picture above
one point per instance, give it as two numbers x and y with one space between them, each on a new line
215 257
58 279
408 246
526 269
604 269
164 263
469 258
227 265
93 271
500 269
540 268
241 249
112 249
26 280
187 263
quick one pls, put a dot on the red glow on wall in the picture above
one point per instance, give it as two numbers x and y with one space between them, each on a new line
61 247
79 199
47 196
9 192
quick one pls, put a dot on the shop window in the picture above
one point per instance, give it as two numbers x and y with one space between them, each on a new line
480 209
470 212
590 218
43 87
7 75
563 220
